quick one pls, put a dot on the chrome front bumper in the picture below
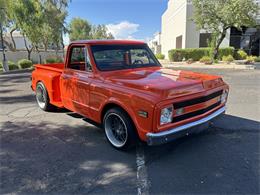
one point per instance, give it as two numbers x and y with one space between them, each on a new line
166 136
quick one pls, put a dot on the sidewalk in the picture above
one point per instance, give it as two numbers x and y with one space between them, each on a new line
168 64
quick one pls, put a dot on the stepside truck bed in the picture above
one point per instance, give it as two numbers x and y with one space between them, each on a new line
50 74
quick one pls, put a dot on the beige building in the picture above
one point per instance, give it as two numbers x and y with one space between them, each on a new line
178 31
155 43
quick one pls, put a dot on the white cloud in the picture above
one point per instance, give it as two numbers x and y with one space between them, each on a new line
123 30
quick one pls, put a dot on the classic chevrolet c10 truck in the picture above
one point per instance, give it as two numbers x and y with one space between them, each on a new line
122 86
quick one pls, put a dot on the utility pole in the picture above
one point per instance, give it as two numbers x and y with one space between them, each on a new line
5 66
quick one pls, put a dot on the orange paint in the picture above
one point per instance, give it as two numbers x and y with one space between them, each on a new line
146 89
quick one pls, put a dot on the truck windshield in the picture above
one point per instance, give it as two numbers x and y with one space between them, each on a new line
117 57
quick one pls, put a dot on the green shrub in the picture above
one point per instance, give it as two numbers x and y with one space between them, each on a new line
12 65
257 59
52 60
1 65
226 51
24 63
241 54
216 61
160 56
251 59
197 53
206 60
228 58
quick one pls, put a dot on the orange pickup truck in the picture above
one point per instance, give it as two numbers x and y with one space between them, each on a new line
122 86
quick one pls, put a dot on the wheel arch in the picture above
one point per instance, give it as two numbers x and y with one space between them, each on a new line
110 105
128 111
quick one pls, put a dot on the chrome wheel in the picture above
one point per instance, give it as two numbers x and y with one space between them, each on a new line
41 96
116 130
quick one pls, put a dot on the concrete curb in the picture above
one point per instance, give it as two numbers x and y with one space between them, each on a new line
214 66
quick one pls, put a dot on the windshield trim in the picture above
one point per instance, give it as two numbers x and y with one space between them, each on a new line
145 46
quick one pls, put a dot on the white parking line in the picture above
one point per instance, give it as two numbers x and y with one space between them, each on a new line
142 176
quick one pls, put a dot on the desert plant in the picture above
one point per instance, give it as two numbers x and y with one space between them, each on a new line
241 54
12 65
206 60
228 58
52 60
160 56
24 63
257 59
250 59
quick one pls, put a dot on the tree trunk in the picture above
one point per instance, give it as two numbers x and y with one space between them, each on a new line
29 50
63 46
219 41
38 51
9 45
45 45
11 34
29 54
5 65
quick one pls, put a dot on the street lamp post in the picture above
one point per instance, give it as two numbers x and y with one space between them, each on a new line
5 66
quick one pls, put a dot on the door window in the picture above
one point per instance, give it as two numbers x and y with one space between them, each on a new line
79 59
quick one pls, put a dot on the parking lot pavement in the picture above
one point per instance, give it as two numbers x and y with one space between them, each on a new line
61 153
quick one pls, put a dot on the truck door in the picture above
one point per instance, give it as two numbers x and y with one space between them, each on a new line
75 80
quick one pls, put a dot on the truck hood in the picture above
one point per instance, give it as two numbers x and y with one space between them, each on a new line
166 83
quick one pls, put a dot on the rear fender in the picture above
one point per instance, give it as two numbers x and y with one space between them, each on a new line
51 81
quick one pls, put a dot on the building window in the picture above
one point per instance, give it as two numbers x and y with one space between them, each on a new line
204 39
179 42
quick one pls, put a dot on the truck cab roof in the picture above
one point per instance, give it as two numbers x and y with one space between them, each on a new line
109 42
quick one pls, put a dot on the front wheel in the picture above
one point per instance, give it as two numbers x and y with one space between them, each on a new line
119 129
43 98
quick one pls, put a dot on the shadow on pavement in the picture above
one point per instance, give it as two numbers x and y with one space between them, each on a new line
224 159
50 158
15 78
17 99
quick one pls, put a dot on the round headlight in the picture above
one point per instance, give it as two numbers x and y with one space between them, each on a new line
166 115
224 96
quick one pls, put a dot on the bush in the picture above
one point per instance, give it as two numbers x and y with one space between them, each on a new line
241 54
228 58
197 53
1 65
52 60
226 51
251 59
12 65
24 63
206 60
257 59
190 61
160 56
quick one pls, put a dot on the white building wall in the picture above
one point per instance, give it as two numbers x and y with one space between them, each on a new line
19 40
192 34
176 21
18 55
173 25
155 43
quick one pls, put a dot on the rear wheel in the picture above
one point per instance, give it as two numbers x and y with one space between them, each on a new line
43 98
119 129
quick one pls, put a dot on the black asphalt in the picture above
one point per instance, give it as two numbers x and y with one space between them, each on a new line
61 153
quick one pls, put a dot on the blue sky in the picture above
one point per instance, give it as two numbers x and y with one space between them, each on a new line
126 19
